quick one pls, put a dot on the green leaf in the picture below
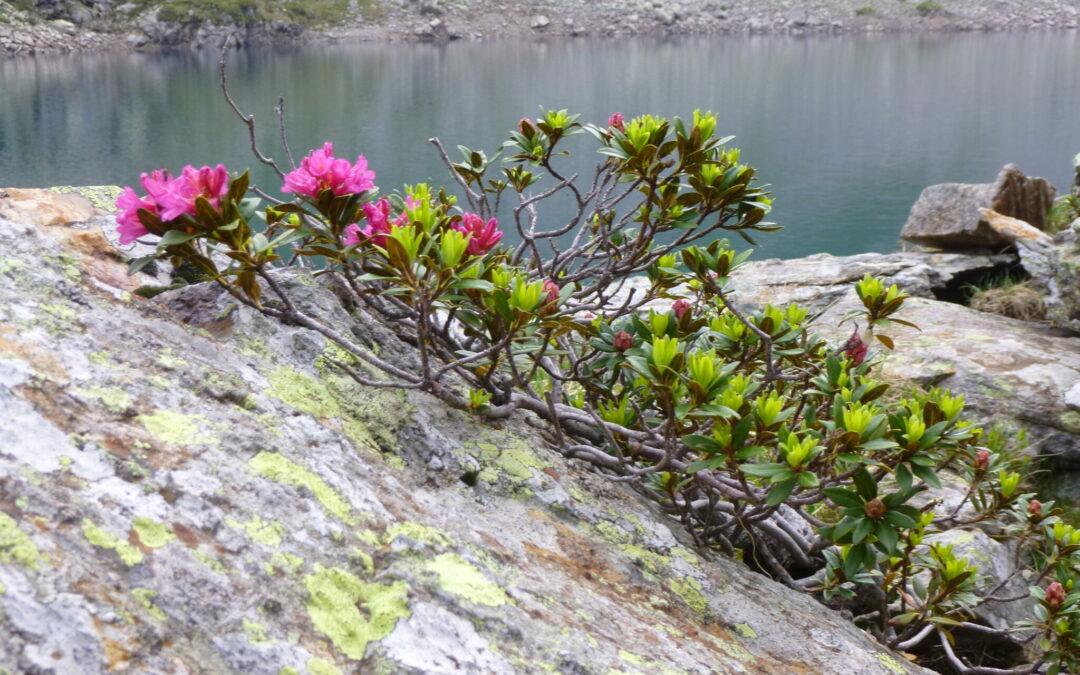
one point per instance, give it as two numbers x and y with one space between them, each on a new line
886 536
865 484
807 479
903 477
842 497
138 263
780 492
710 463
704 444
878 444
473 284
175 237
927 474
898 518
862 528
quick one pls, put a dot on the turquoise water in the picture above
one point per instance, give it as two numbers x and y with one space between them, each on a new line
845 130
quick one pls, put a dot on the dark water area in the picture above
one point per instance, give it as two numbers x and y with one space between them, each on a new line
845 130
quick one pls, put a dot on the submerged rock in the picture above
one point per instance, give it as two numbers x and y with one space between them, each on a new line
174 501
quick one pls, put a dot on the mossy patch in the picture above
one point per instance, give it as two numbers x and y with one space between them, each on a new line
317 666
466 581
352 612
102 539
256 632
689 589
145 596
267 533
152 534
279 469
890 663
115 399
175 428
417 532
16 546
303 393
746 631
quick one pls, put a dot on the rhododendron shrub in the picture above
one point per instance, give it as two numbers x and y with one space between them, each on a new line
764 440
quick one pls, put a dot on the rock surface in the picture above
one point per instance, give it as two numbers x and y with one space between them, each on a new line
171 501
948 215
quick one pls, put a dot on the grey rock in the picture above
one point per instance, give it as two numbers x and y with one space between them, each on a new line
947 215
300 526
539 22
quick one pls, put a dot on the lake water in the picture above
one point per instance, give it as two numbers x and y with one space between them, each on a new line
846 130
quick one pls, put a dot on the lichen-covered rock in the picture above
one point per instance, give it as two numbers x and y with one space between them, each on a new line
948 215
172 501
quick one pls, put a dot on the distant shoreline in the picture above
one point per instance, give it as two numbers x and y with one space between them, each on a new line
23 34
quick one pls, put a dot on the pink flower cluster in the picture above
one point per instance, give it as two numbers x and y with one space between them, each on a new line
484 235
320 171
379 223
616 122
169 198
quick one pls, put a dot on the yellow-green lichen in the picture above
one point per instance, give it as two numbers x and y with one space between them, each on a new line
169 426
145 596
102 197
417 532
151 533
15 545
267 533
352 612
889 663
317 666
102 539
256 632
689 589
365 560
649 561
288 670
65 462
210 561
465 581
631 658
168 359
3 589
286 562
369 537
115 399
279 469
1070 421
746 631
303 393
515 462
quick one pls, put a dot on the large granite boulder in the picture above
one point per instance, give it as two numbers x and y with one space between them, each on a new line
947 215
172 501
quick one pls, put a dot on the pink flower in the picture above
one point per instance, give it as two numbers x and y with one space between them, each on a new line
128 224
1055 595
680 307
623 341
177 197
616 122
320 171
982 460
379 223
484 236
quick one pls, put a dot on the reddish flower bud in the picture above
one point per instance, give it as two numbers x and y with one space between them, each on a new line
616 122
551 297
1035 508
875 509
526 127
1055 595
623 341
680 307
855 349
982 460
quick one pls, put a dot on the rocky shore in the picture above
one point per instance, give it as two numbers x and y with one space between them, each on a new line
61 26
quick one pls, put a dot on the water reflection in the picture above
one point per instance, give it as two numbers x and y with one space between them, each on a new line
846 130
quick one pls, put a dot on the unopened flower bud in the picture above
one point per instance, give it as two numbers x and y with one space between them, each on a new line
680 307
551 297
1055 595
623 341
526 127
875 509
1035 508
982 460
855 349
616 122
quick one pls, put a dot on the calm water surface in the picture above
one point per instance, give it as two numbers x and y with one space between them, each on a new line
846 131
